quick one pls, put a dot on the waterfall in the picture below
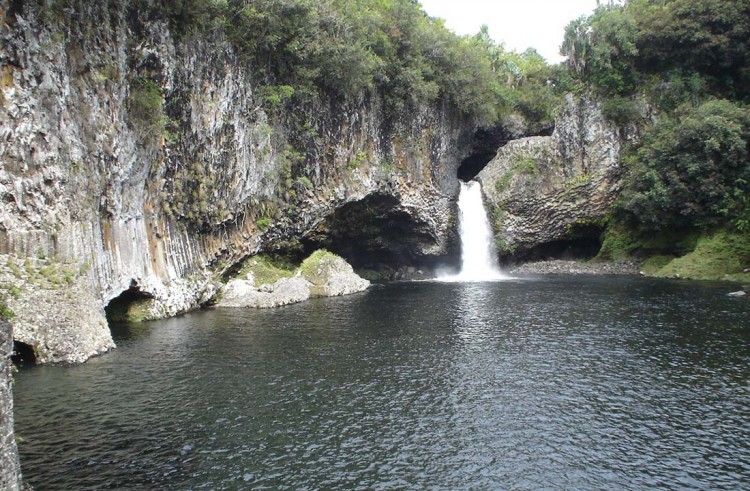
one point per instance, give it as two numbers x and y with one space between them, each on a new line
478 260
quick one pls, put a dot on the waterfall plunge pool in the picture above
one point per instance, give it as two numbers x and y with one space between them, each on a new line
556 382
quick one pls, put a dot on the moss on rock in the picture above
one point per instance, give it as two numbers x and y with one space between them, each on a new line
264 270
720 255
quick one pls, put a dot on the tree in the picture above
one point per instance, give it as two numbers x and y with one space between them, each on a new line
691 170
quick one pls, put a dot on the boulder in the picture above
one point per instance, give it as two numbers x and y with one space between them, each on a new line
547 189
330 275
323 274
285 291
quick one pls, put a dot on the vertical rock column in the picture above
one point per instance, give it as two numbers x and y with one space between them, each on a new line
10 468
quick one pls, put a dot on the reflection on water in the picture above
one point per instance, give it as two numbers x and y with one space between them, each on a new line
566 383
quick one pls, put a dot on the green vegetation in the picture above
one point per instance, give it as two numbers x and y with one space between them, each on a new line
137 311
145 105
717 255
313 268
358 160
265 270
344 50
691 170
501 184
6 314
687 180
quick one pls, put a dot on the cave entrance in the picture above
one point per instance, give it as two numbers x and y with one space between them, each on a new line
485 142
472 165
378 237
130 306
569 250
23 354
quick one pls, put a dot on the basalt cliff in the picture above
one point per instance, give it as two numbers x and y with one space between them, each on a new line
548 196
136 165
139 165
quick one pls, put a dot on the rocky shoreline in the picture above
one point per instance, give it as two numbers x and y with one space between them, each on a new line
577 267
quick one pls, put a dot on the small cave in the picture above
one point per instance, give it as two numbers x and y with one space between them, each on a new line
487 141
23 354
130 306
569 250
378 238
472 165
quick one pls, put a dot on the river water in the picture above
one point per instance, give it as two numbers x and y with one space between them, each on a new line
547 383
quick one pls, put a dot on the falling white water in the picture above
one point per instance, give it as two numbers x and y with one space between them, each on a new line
478 260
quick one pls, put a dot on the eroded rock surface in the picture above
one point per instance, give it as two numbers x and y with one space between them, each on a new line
321 275
10 469
164 200
285 291
542 190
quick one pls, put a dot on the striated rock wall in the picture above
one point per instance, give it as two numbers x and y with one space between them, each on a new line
10 470
133 161
543 190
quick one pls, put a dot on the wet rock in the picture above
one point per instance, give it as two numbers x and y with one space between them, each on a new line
740 293
10 469
242 293
576 267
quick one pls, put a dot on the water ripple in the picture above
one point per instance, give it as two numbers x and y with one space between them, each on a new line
567 383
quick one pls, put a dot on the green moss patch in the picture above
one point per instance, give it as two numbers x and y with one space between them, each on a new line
652 265
719 255
313 268
265 271
126 310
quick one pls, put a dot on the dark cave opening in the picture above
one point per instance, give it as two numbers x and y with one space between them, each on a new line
487 141
471 166
23 354
574 249
378 237
127 307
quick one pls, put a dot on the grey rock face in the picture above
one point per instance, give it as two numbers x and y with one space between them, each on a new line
575 267
544 189
332 276
10 469
243 293
166 203
327 277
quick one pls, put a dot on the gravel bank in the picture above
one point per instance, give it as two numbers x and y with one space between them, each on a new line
575 267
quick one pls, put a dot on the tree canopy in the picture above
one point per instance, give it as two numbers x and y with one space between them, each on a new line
346 49
688 61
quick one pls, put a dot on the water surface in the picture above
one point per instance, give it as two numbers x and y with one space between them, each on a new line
555 383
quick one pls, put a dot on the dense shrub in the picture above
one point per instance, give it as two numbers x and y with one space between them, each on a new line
691 170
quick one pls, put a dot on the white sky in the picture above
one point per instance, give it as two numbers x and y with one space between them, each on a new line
520 24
